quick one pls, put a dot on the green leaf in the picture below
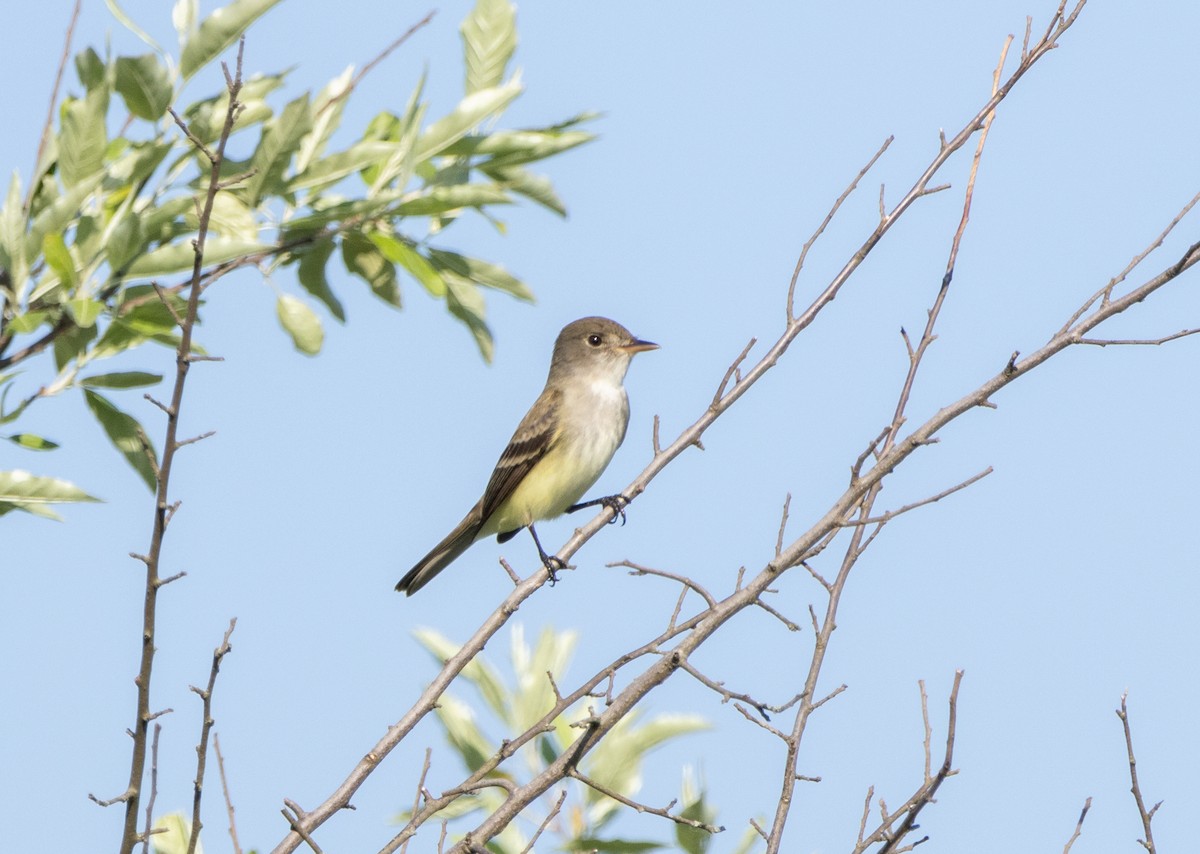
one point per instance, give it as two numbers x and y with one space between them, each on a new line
184 16
327 115
329 170
401 252
145 85
466 303
480 272
465 737
130 24
472 110
363 259
121 379
489 35
24 323
71 343
84 310
694 840
20 490
58 256
537 188
90 68
12 235
311 272
59 215
478 672
218 31
83 137
280 139
32 442
127 436
230 218
439 199
176 257
172 833
513 147
124 241
300 322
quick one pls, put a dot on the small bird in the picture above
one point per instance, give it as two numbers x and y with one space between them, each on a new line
560 448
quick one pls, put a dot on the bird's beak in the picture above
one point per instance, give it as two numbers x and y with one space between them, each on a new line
637 346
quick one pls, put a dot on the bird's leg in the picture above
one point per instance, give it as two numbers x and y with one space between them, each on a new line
616 503
553 563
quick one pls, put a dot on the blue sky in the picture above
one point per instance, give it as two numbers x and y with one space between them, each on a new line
1057 583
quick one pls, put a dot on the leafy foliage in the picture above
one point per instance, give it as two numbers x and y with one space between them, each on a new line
585 821
109 214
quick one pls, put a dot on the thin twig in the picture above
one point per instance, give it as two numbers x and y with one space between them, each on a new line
153 789
1087 805
643 808
892 514
554 811
1146 815
51 108
237 849
205 727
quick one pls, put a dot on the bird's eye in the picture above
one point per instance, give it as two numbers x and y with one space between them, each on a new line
594 340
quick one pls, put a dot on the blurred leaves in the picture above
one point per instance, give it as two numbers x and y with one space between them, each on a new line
615 763
20 490
97 248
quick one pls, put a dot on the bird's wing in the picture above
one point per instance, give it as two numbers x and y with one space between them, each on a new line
533 439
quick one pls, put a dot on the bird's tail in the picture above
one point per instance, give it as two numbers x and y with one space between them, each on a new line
443 554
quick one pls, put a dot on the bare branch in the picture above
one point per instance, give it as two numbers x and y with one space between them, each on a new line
153 790
808 244
638 569
933 499
205 727
162 505
1087 805
554 811
642 808
1140 342
237 849
1147 815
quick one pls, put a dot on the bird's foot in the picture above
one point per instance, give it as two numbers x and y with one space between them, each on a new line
553 564
616 503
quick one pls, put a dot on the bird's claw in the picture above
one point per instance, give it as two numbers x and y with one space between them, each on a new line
617 504
553 564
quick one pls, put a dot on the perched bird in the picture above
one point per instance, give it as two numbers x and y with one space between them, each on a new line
560 448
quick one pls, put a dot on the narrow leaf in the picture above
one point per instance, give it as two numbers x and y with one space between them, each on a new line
466 303
20 490
176 257
218 31
301 323
472 110
401 252
121 379
437 199
363 259
311 272
480 272
280 139
489 35
58 256
32 442
127 436
83 137
130 24
84 310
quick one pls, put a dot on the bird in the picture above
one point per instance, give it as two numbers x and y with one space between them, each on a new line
559 450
